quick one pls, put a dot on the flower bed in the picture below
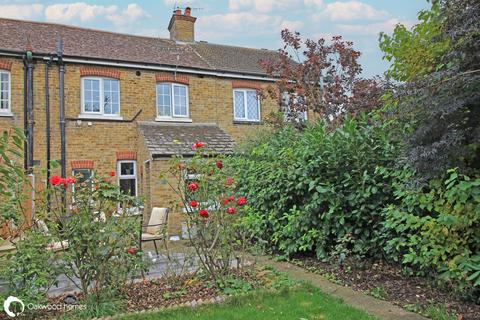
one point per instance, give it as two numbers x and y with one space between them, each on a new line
387 282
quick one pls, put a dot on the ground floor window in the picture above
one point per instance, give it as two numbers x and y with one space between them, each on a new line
82 176
127 177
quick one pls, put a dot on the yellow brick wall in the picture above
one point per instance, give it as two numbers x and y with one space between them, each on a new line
210 101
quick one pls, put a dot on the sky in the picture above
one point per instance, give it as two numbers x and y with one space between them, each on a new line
249 23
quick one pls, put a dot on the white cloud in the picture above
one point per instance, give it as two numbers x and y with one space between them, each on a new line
353 10
292 25
263 5
20 11
84 12
177 2
132 13
314 3
372 29
223 26
63 12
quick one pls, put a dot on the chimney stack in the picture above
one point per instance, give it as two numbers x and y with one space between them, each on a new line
182 26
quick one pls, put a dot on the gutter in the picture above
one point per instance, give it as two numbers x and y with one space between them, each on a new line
112 63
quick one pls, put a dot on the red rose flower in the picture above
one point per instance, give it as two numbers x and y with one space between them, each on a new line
219 164
71 180
229 181
131 251
241 201
230 210
193 186
203 213
231 198
55 180
193 203
225 201
111 173
198 145
64 182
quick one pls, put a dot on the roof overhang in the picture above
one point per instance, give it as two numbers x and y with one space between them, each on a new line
144 66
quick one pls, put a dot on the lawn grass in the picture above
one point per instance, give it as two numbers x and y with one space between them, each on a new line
302 302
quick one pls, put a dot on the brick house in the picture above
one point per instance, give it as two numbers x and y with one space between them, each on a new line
125 99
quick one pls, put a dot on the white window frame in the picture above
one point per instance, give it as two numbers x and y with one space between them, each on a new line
102 98
130 176
7 112
245 106
172 103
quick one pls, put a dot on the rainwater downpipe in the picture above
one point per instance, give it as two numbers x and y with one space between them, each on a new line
25 150
61 95
61 73
28 61
47 124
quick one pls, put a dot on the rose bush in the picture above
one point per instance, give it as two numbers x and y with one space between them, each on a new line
212 211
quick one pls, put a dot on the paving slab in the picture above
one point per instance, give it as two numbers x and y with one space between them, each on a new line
379 308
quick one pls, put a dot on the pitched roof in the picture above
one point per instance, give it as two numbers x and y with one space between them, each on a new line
167 139
16 35
78 42
228 58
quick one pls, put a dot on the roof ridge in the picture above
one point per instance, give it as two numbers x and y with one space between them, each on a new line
84 28
233 46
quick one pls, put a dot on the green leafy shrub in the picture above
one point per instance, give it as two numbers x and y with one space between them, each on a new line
31 270
309 190
437 230
98 234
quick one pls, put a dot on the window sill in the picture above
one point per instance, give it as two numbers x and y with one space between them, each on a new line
99 117
6 114
161 119
249 122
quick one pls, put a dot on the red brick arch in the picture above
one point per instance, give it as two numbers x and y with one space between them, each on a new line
100 72
245 84
82 164
170 77
5 65
126 155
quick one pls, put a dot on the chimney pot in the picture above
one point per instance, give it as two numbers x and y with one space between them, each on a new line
182 26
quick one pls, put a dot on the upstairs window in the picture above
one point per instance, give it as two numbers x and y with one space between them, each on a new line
172 100
100 96
5 92
246 105
127 177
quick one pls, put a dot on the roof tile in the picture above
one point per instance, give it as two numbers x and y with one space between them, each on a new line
167 139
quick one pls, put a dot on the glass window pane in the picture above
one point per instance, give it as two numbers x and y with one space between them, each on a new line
127 169
91 95
252 105
82 175
4 91
110 91
180 99
128 186
164 100
239 105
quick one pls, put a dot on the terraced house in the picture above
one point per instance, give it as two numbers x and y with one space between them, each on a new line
99 101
